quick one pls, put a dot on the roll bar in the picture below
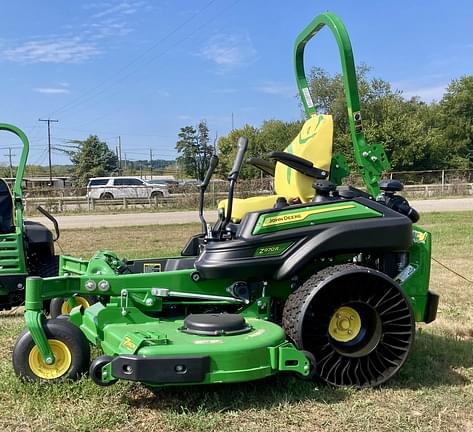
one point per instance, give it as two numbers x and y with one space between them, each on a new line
370 158
17 189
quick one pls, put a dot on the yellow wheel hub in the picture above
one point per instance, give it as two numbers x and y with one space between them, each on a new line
345 324
80 301
62 363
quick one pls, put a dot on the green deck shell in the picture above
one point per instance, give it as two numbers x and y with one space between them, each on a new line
256 354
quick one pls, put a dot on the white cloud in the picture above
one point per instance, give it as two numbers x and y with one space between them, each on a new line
164 93
184 117
77 44
113 20
427 94
229 52
125 8
95 5
276 88
106 29
52 90
71 50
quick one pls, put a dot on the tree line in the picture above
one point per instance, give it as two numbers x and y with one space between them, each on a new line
416 135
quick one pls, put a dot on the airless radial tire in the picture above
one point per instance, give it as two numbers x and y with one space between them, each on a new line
356 322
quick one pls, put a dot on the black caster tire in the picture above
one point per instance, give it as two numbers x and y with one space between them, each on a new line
313 368
95 370
356 321
70 347
60 306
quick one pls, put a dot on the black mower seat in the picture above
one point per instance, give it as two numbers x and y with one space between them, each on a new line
6 209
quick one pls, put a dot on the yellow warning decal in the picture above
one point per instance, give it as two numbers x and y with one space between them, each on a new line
420 237
296 217
151 267
128 344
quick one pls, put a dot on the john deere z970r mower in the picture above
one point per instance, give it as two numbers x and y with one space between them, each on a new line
318 279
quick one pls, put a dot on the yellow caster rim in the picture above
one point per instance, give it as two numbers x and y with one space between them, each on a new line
345 324
62 363
80 301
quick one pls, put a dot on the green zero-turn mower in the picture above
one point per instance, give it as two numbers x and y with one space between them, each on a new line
318 279
26 247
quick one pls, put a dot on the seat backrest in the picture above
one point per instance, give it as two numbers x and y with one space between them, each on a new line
314 143
6 208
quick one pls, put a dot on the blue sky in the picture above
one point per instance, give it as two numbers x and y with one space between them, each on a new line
142 69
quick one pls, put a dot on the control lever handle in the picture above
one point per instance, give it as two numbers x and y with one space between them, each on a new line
242 146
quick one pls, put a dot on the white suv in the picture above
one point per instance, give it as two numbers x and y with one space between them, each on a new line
123 187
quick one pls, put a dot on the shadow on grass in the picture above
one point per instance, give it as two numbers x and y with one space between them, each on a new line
262 394
432 362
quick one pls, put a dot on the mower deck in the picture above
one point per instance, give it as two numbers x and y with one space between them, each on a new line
167 351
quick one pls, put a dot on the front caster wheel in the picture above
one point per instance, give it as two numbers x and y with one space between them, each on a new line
69 346
95 370
61 306
356 321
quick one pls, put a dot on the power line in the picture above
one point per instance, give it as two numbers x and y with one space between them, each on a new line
134 61
9 157
111 83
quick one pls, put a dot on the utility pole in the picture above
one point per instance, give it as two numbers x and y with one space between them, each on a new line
232 122
9 157
125 163
151 163
119 154
215 142
49 147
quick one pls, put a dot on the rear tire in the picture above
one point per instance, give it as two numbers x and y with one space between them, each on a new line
106 196
356 321
47 268
50 267
157 195
70 348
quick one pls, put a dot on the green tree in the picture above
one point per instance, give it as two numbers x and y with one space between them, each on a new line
92 158
273 135
415 135
227 147
456 117
194 150
406 128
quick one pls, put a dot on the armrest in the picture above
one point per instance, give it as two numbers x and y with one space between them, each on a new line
264 165
299 164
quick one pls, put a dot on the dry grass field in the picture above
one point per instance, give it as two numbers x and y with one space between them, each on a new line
433 392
